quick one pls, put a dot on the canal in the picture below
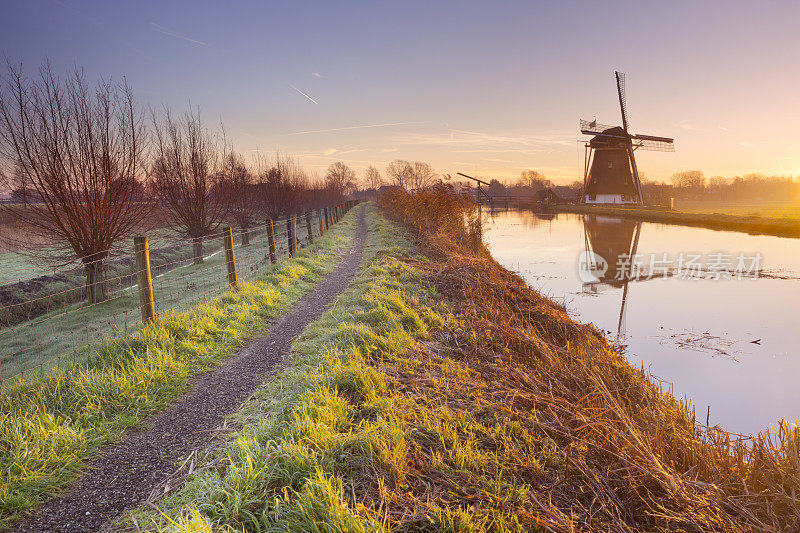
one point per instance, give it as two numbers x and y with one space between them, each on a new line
713 314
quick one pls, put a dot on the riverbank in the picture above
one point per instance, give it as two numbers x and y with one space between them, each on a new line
441 393
753 224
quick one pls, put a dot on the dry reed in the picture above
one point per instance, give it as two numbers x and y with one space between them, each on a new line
629 455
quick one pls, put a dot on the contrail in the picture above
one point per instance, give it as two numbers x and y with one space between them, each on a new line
166 31
304 94
355 127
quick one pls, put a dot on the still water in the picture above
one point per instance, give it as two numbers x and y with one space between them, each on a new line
714 313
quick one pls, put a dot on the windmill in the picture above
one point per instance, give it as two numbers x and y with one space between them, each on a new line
610 175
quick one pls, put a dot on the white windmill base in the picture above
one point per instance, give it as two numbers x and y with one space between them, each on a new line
609 199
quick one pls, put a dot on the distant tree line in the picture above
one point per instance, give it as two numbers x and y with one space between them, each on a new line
693 185
529 183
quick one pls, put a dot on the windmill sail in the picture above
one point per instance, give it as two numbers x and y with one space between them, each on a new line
622 102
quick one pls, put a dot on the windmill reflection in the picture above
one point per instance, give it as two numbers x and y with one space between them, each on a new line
611 240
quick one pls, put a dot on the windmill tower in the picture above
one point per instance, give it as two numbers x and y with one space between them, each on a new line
610 175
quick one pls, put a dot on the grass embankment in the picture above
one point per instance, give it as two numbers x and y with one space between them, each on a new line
767 209
753 224
50 423
443 394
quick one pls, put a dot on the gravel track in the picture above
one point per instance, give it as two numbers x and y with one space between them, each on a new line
124 474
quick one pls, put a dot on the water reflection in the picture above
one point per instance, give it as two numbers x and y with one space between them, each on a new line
607 241
728 343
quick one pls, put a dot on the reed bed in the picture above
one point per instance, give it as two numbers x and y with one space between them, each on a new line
631 456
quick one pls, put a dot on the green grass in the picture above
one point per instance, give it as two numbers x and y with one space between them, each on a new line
330 444
52 421
789 210
30 277
17 266
404 411
68 333
326 408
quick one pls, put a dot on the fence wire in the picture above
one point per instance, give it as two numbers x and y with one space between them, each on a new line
59 326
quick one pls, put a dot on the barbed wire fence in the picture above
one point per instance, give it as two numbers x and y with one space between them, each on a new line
149 278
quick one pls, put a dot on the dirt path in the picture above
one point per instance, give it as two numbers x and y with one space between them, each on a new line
124 474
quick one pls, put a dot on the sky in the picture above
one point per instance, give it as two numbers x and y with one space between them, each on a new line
485 88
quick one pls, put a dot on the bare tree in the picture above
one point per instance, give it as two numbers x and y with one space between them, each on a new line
240 184
79 150
372 178
283 186
297 181
187 178
399 172
416 175
270 188
340 178
689 179
533 179
422 175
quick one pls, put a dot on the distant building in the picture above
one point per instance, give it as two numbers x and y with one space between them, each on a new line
547 196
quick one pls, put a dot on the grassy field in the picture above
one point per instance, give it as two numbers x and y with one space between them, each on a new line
30 287
51 421
704 218
442 394
788 210
67 332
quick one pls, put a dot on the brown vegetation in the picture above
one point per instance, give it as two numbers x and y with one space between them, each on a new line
596 445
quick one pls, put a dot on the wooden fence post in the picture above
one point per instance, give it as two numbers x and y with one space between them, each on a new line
308 226
291 226
273 257
321 223
230 259
144 278
294 234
